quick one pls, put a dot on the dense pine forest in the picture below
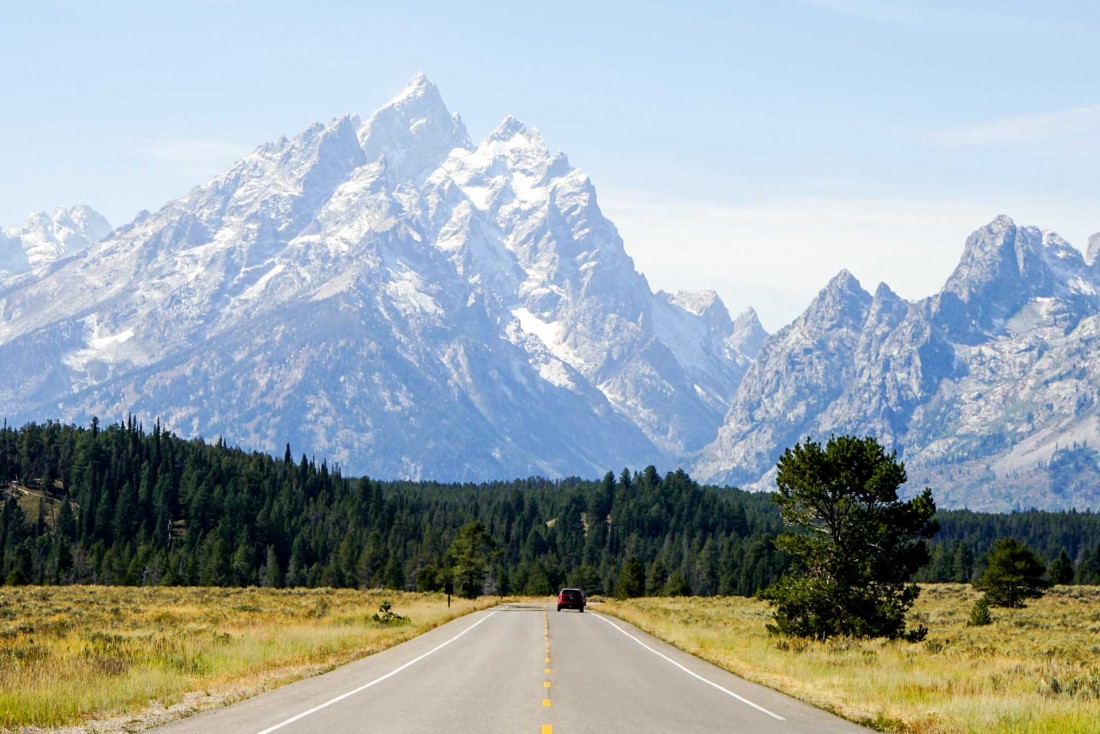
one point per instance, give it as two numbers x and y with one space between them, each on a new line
118 505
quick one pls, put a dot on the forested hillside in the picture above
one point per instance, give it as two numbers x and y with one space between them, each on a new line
123 506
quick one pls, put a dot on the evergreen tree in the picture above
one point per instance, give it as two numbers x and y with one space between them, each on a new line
655 578
858 543
469 557
677 585
963 564
631 579
1061 569
979 614
1014 573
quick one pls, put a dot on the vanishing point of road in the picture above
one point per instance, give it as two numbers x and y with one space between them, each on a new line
522 669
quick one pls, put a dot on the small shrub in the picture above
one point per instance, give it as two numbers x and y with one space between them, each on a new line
1062 684
979 614
916 634
387 616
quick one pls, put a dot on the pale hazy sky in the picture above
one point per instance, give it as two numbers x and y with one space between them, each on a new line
754 148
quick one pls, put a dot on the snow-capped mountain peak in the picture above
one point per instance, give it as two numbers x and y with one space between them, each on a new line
413 133
508 128
389 295
47 237
403 302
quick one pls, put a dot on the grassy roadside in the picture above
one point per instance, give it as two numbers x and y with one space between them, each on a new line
128 657
1033 671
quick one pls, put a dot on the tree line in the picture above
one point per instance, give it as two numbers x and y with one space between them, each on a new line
1069 541
122 505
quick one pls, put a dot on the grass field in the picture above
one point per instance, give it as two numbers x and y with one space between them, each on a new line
1033 671
126 657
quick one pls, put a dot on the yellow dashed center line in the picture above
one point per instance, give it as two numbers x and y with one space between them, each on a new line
546 728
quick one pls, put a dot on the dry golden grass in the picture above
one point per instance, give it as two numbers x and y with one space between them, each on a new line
72 654
1033 671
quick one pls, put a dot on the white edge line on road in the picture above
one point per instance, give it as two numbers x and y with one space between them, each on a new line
724 690
365 686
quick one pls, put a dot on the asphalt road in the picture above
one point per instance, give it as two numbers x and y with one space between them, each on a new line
522 668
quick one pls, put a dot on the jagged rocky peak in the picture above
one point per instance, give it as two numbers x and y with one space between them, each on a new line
749 334
72 228
1003 267
321 150
886 300
989 256
1092 255
90 223
508 128
885 311
1004 261
705 306
267 197
525 151
842 302
883 292
700 303
1058 245
521 150
413 133
49 236
845 282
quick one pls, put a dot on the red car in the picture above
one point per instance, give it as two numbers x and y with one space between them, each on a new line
571 599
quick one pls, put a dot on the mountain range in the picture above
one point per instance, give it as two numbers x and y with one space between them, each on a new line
390 295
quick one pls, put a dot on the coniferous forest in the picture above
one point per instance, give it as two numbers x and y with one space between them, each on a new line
119 505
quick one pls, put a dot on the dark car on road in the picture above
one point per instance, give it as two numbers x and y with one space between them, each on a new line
571 599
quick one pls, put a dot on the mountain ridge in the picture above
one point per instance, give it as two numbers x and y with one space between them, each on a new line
411 303
488 318
982 388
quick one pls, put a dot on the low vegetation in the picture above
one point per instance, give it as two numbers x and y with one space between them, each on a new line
1030 671
71 654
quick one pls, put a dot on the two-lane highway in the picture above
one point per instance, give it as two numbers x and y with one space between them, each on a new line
522 668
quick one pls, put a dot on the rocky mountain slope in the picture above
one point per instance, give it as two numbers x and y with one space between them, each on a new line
988 390
388 295
392 296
